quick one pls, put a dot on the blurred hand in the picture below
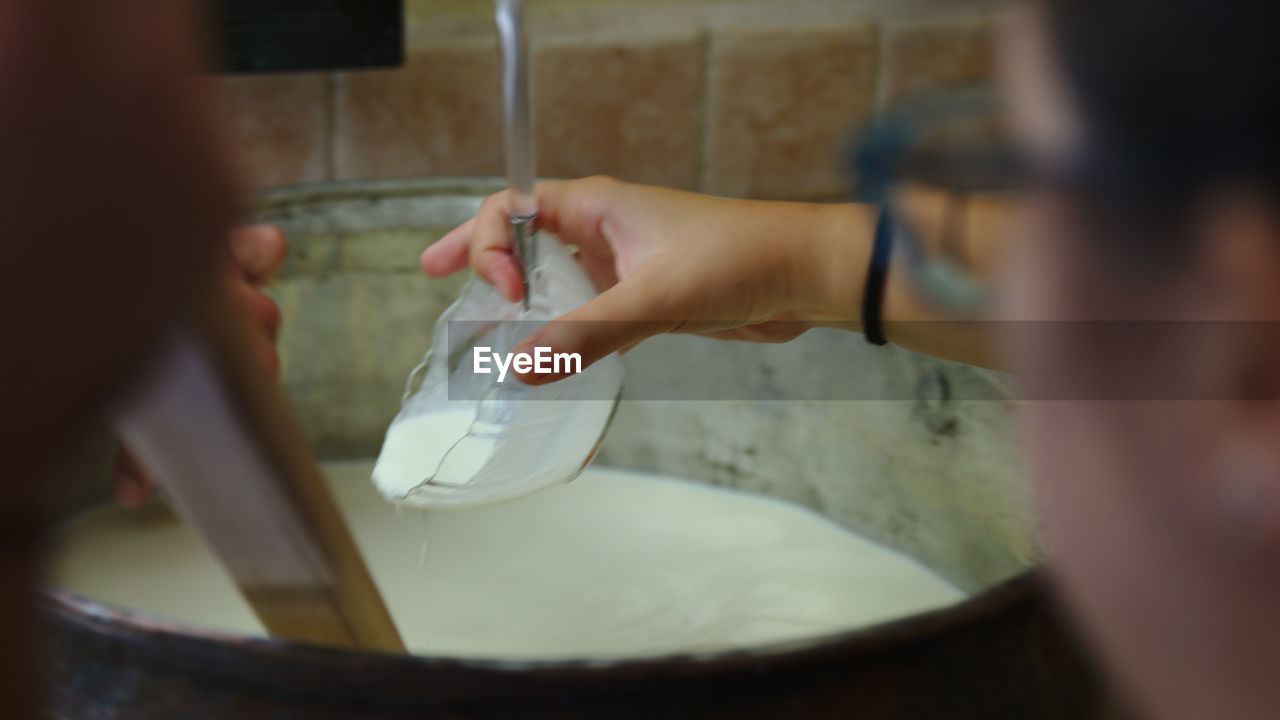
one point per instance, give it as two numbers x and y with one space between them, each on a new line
256 253
667 261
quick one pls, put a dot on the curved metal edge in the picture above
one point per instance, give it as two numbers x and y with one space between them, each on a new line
138 629
308 193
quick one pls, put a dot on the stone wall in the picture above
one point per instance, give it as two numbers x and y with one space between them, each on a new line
734 97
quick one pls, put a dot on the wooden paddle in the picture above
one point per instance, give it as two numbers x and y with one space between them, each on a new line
216 433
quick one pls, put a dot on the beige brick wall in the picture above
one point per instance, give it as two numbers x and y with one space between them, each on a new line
779 103
747 98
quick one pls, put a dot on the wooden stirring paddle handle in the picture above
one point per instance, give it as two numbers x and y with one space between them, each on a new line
216 433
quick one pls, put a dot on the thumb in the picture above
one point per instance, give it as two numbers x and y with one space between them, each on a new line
620 317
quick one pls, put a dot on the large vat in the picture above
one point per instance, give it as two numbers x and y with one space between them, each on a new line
918 454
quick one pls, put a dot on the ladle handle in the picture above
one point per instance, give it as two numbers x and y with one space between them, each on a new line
518 112
518 116
215 432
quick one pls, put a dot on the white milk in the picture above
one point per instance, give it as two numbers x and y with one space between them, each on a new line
415 449
472 462
615 564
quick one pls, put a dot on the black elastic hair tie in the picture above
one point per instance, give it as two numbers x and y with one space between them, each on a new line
877 270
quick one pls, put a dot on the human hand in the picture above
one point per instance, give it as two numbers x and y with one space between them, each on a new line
256 253
667 261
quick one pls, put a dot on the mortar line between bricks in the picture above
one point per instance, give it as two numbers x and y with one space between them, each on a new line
884 36
331 129
704 114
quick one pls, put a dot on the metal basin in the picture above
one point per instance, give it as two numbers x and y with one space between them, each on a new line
917 454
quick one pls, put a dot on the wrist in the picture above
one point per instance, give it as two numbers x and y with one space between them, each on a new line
835 253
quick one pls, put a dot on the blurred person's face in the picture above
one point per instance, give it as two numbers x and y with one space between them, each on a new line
115 198
114 203
1160 516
